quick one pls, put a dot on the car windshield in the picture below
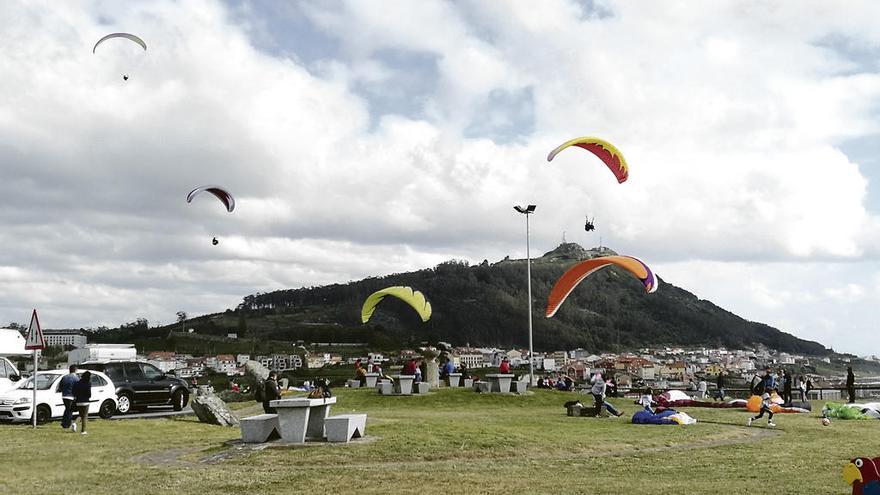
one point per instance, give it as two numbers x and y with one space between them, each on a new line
44 382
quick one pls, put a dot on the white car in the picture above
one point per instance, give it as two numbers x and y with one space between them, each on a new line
15 404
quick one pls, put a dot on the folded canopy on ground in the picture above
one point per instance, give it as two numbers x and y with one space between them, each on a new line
677 398
414 298
754 405
870 410
665 417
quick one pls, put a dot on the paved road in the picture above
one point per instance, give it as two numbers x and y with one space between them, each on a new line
155 412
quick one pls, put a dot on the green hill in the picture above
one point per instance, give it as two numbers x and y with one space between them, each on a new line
485 304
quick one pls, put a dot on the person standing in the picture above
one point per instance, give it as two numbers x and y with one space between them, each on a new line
504 367
786 388
67 383
703 387
82 393
719 382
271 392
850 384
802 386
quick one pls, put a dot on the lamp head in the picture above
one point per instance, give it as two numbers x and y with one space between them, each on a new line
528 209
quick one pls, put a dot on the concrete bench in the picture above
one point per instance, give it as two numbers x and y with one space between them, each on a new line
354 384
520 387
372 379
344 427
482 387
421 388
384 387
468 383
453 379
259 429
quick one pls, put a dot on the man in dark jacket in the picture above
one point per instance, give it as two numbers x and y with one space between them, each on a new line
786 388
850 384
719 382
271 392
67 383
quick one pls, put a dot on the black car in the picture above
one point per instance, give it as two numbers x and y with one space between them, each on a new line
139 385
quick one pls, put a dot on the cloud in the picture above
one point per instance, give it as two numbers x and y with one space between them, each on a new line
380 140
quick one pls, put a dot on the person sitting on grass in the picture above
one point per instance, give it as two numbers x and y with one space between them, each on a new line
765 407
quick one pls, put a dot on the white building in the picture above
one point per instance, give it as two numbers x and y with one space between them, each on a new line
75 338
242 359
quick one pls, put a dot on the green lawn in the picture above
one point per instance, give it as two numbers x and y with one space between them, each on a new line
451 441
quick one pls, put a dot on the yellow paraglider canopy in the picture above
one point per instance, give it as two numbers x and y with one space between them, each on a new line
406 294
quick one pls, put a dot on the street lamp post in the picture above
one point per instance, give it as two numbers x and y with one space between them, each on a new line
528 210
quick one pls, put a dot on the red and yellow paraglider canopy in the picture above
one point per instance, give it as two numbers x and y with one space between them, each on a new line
605 151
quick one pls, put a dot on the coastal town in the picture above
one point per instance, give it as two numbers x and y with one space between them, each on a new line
660 368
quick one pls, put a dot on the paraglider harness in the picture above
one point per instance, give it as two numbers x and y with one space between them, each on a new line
588 226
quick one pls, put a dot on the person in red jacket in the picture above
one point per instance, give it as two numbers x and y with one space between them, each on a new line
504 367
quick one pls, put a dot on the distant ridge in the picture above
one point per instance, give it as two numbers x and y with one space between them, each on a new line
485 305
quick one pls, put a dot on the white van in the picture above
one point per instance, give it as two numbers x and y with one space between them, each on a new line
11 344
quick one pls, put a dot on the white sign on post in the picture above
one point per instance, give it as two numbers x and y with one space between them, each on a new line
35 335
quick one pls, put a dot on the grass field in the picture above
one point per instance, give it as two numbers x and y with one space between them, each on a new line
452 441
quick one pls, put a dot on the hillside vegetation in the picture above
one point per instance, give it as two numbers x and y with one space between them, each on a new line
485 304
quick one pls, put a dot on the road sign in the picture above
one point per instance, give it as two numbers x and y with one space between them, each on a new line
35 334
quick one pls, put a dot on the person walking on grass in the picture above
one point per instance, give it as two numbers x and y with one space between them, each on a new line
765 408
82 393
598 392
67 383
850 384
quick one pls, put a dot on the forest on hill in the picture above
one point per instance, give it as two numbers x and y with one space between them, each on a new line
485 305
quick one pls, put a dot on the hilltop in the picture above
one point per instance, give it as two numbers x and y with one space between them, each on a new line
485 304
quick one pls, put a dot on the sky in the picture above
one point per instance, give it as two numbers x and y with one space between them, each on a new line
368 138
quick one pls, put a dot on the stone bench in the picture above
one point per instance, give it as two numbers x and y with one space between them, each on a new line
453 379
500 382
421 388
302 418
344 427
259 429
468 383
520 387
384 387
482 387
354 384
372 379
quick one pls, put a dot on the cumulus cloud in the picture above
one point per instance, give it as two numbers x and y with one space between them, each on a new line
390 139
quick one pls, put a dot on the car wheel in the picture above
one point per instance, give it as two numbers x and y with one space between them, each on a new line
107 409
178 400
123 403
44 414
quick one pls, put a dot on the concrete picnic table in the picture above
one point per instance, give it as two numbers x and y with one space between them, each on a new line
403 384
499 382
302 417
